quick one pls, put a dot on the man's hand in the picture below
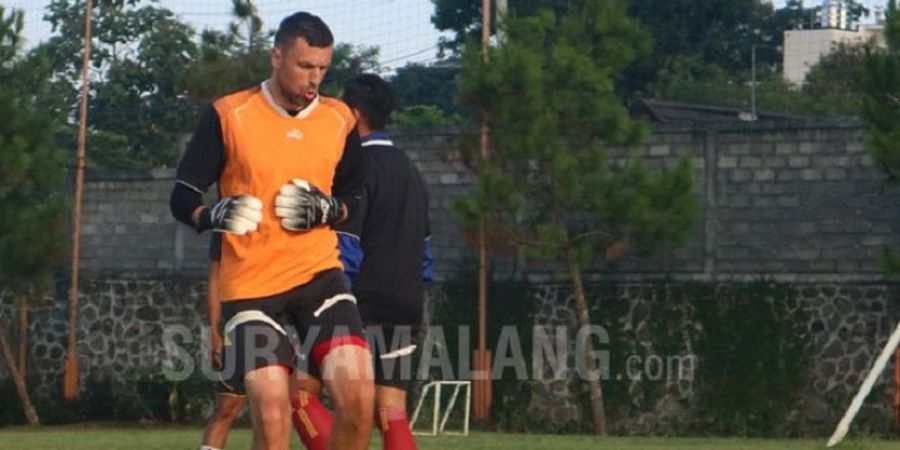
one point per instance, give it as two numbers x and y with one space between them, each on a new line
237 215
215 348
302 206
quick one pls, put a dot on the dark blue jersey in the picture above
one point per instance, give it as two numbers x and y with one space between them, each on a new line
385 243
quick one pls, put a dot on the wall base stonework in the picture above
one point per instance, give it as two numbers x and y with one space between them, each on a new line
121 324
848 326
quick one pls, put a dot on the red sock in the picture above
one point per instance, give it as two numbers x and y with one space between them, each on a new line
311 420
395 432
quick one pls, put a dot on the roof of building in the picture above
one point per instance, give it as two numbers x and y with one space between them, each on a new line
669 112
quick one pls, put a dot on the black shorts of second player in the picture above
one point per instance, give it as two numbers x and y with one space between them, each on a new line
392 348
323 311
230 387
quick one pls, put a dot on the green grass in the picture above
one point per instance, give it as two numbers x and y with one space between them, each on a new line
106 437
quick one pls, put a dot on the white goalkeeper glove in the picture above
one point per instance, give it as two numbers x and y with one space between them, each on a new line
237 215
302 206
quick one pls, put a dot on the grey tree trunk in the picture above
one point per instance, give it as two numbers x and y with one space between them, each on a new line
598 410
21 389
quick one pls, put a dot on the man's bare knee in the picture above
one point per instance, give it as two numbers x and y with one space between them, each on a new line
357 400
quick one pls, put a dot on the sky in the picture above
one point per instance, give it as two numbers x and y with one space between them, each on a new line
402 29
811 3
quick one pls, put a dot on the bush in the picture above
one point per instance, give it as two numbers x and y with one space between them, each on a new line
754 346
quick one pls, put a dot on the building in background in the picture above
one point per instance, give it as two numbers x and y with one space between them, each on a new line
804 48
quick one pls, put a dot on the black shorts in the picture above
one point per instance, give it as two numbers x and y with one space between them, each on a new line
392 351
323 311
230 387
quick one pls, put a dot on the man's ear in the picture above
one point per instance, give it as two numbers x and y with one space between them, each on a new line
275 56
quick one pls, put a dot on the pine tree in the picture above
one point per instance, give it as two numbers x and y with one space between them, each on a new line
31 177
559 180
881 109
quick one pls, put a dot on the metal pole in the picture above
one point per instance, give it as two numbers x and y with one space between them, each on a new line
753 81
897 391
70 388
482 361
502 12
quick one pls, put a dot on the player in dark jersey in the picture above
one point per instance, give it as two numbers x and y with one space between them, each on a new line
283 157
385 247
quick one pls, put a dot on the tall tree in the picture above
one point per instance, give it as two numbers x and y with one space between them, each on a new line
881 110
881 96
347 62
31 175
231 60
138 61
559 179
462 18
435 85
716 32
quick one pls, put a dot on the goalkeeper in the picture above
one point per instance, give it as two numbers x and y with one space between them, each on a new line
283 157
385 247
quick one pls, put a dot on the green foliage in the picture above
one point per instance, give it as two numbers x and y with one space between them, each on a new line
881 97
434 85
225 64
347 62
143 395
139 57
881 109
691 80
715 32
554 175
423 116
753 345
832 86
750 343
32 220
149 74
463 18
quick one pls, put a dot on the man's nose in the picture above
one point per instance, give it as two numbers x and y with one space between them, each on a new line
316 77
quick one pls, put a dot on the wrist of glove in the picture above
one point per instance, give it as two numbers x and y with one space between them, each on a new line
302 206
237 215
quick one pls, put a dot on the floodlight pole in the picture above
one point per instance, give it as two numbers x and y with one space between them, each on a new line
70 383
753 81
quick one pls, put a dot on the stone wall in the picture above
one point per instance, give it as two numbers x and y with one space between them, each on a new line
801 204
847 324
121 323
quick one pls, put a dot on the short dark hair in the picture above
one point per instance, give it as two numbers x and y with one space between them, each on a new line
373 97
305 25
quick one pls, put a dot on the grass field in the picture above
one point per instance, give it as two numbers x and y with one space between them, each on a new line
115 438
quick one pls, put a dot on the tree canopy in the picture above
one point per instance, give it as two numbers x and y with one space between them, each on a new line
32 170
561 179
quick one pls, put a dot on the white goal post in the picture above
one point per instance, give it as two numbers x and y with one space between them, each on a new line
442 415
844 425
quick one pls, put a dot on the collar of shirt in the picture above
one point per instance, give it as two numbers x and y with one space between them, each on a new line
377 138
302 114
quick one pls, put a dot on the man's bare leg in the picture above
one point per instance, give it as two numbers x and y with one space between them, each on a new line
347 373
267 388
226 410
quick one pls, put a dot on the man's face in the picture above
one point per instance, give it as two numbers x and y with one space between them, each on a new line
299 69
